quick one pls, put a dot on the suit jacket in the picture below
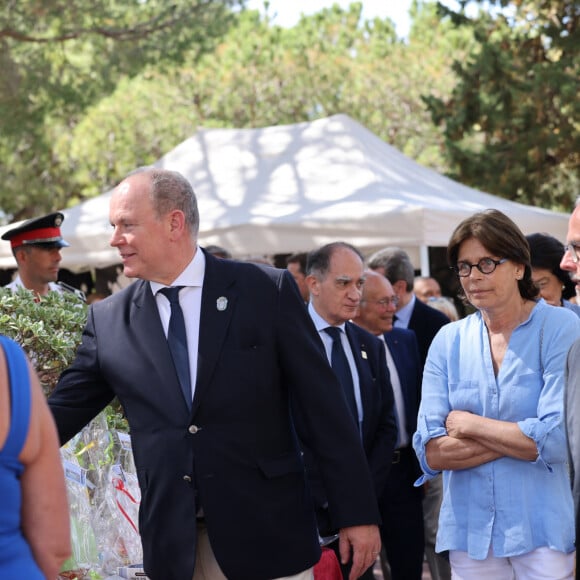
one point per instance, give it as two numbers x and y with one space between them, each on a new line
426 322
402 344
572 413
235 453
379 427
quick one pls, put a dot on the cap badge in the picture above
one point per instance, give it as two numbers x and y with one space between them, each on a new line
222 303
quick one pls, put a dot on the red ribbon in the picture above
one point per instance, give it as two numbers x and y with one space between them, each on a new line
120 486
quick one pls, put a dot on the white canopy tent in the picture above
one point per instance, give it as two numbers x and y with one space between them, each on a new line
292 188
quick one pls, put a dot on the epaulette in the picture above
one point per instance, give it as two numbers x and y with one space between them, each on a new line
68 288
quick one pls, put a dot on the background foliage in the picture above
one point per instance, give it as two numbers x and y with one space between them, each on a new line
93 90
50 332
512 121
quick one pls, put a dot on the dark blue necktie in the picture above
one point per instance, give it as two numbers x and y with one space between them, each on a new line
341 368
177 340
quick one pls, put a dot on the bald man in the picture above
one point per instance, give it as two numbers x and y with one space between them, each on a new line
400 503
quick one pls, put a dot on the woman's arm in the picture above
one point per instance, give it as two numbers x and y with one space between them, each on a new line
502 437
45 515
450 453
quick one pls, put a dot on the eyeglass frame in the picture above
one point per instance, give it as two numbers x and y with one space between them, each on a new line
572 248
385 302
495 263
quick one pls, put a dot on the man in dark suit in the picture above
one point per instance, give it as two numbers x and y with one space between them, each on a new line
572 413
223 488
296 265
395 265
571 263
425 322
401 502
335 280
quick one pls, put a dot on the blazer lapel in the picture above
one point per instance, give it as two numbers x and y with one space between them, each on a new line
146 325
218 300
361 355
147 329
397 351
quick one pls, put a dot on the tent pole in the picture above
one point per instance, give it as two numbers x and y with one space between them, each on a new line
424 259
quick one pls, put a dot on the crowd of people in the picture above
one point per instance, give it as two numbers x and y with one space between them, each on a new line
341 403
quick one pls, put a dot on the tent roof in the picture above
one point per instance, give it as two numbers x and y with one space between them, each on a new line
294 187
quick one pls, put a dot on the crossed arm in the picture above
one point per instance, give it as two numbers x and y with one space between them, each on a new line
473 440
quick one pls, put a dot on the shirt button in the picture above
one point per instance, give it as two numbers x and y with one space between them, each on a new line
187 478
193 429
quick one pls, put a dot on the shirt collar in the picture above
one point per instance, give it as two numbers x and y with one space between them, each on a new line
319 322
404 313
192 275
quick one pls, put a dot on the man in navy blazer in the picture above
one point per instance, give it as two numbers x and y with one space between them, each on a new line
335 280
401 502
219 468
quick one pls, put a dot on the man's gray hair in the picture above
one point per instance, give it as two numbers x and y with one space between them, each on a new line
318 261
170 190
396 264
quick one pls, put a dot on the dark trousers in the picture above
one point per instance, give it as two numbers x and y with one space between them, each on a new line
402 514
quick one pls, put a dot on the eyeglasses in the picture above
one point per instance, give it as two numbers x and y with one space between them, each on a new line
385 302
485 266
572 248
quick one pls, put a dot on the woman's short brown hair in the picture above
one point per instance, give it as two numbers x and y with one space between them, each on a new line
498 234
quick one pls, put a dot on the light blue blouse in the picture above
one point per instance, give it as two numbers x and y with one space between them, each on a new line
510 505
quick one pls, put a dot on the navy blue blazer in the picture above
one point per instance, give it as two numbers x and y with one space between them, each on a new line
426 322
235 452
379 427
402 344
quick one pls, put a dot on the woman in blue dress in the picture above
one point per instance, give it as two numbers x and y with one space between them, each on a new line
491 414
34 519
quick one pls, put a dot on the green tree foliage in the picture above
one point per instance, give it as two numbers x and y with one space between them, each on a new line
116 88
60 57
260 75
512 123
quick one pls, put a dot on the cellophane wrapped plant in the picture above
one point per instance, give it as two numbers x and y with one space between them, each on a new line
98 463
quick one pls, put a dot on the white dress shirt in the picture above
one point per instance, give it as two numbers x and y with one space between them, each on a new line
402 436
404 313
320 325
190 302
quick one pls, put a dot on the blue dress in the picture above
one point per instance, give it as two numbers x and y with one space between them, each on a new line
16 560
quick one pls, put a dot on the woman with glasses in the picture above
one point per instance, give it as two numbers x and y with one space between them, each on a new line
491 415
555 285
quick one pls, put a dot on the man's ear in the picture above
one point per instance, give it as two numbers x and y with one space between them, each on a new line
20 254
176 223
313 284
400 287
